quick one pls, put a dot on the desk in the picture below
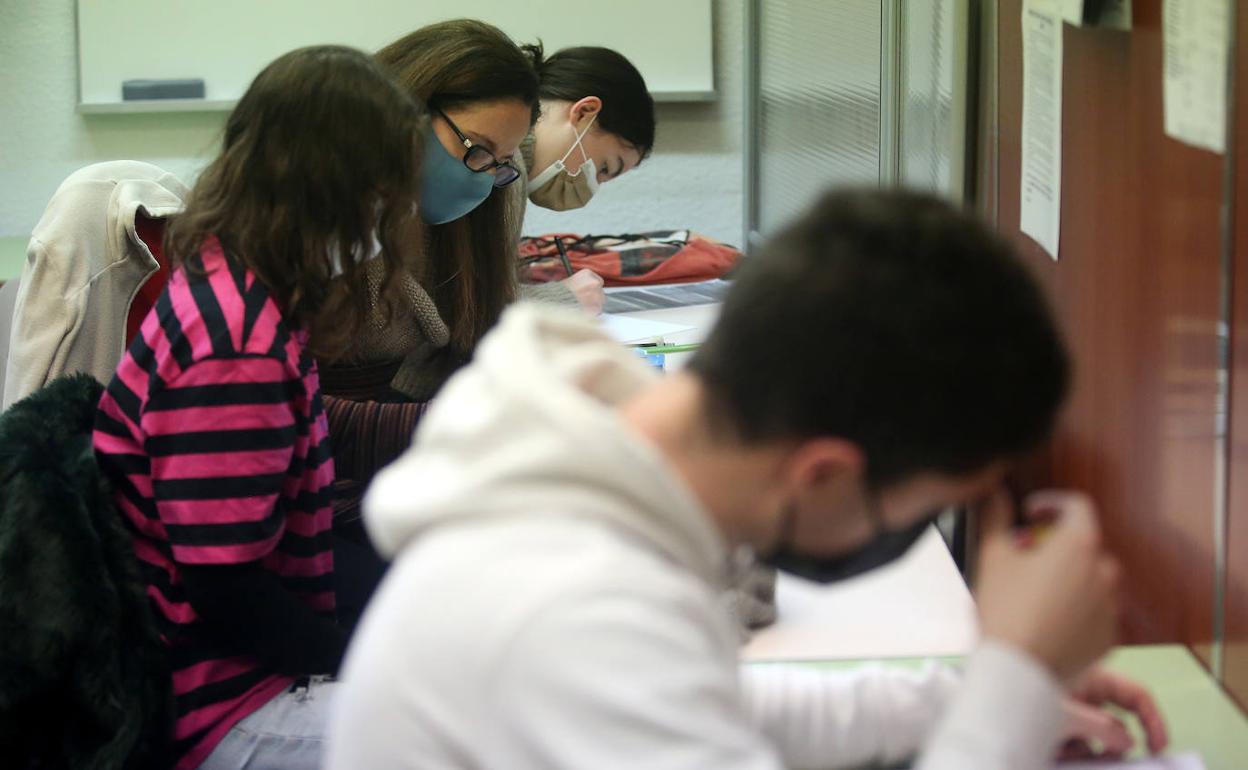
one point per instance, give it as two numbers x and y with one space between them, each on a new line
12 256
1200 716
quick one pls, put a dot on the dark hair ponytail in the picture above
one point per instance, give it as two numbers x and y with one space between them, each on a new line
574 73
536 54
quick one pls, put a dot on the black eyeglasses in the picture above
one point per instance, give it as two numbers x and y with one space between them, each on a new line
479 159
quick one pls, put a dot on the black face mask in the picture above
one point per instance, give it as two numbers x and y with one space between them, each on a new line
885 547
881 550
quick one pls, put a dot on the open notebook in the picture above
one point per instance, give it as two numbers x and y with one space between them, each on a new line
628 299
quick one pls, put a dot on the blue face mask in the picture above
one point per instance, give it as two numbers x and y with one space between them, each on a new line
448 188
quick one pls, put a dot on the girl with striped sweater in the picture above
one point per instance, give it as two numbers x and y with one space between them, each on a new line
213 431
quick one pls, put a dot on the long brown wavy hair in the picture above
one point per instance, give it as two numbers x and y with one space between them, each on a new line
320 156
469 264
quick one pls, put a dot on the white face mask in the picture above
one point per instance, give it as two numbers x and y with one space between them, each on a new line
559 189
336 261
371 252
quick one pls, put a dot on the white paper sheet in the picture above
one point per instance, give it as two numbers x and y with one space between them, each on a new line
916 607
1189 761
1040 197
1196 42
628 329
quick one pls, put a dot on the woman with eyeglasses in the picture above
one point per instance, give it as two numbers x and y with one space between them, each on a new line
508 126
482 94
481 91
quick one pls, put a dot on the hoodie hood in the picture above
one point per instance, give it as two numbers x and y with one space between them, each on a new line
530 429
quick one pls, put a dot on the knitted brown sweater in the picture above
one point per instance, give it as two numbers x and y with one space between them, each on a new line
411 349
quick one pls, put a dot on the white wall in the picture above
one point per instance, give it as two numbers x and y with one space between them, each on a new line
43 139
694 178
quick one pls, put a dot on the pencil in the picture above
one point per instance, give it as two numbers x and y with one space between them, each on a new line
665 349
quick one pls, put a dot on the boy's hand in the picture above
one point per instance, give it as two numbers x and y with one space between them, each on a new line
1054 598
1089 724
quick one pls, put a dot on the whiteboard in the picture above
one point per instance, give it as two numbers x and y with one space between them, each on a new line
227 42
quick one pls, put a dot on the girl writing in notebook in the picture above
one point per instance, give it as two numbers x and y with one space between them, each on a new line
212 430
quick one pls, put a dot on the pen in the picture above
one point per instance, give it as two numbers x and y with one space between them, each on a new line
1028 533
1033 535
563 255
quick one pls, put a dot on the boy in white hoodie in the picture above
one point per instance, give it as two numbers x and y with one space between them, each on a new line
562 524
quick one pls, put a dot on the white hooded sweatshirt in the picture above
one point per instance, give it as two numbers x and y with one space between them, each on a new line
554 604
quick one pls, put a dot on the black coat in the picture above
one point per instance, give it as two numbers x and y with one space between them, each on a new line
84 683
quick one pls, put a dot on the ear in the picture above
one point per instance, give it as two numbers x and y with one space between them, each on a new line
581 110
821 463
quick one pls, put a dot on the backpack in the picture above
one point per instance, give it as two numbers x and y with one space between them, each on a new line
628 260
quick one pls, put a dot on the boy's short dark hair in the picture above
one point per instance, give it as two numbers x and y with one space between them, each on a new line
893 320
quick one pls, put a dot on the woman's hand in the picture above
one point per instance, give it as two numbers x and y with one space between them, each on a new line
586 285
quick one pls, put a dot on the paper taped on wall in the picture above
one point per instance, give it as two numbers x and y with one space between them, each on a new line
1196 41
1040 197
